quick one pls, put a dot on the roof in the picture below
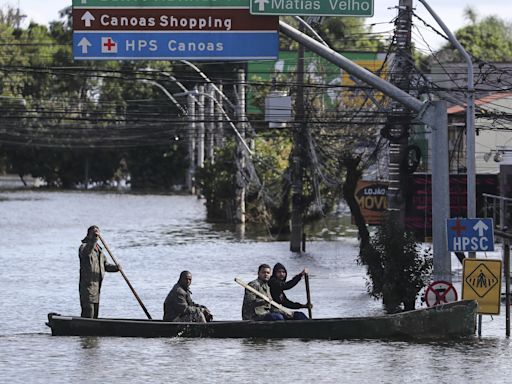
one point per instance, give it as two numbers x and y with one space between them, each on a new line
484 100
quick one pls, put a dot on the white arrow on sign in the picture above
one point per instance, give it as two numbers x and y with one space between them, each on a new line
84 44
261 4
481 227
88 18
84 1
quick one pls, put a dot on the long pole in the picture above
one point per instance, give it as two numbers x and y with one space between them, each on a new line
470 117
297 156
429 113
266 298
308 295
240 153
506 257
124 276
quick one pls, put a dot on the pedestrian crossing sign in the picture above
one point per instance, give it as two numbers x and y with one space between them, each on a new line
482 282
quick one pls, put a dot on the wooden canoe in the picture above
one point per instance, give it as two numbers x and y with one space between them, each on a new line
445 321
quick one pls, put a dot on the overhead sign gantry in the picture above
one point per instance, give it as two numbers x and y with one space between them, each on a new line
172 30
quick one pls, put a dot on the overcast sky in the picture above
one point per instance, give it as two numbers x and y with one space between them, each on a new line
451 11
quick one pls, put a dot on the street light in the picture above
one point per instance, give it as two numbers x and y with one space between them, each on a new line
166 92
224 113
201 73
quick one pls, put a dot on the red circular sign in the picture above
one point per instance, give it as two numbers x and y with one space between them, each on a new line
440 292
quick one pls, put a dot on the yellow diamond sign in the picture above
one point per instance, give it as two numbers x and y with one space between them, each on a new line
482 282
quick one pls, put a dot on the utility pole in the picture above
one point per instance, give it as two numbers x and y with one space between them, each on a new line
191 136
297 155
210 136
219 118
240 151
200 127
400 119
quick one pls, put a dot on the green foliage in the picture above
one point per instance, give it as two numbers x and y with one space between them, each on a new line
397 267
217 182
68 106
489 39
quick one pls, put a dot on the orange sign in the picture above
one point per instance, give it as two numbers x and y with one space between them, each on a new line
372 199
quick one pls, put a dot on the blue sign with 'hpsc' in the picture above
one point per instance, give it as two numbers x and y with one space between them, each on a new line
470 235
238 45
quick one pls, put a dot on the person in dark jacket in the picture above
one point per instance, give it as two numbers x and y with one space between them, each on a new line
278 285
256 308
178 305
93 265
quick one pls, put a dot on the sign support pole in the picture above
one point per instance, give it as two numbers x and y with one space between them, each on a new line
506 271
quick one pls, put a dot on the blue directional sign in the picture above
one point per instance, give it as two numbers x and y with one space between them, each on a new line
110 45
470 235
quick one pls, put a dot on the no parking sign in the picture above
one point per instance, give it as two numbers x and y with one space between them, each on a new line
440 292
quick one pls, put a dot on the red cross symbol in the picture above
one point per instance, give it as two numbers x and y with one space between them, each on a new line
458 228
109 44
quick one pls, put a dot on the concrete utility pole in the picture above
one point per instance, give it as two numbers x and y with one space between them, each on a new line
219 118
240 152
200 126
191 137
298 155
400 119
210 134
433 114
470 118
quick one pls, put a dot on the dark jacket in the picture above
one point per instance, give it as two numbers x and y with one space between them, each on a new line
93 265
254 307
277 288
178 304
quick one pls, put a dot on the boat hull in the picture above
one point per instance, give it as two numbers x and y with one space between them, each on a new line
441 322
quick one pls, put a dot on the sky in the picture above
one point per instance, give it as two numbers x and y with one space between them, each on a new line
450 11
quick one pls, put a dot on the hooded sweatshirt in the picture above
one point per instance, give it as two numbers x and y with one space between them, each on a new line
277 287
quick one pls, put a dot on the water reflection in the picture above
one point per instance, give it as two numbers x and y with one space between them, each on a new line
89 342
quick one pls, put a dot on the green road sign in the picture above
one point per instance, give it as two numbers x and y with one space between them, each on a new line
362 8
163 3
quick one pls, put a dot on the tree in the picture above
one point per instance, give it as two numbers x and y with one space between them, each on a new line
489 39
398 267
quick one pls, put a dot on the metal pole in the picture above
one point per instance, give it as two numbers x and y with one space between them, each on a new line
440 194
506 272
200 127
352 68
219 137
191 143
432 113
470 119
210 124
240 153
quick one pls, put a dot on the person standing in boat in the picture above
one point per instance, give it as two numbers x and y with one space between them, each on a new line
179 307
278 285
254 307
93 265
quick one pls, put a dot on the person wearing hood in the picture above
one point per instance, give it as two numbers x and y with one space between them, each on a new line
179 307
93 265
278 285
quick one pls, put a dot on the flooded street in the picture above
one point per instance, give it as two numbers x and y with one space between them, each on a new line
157 236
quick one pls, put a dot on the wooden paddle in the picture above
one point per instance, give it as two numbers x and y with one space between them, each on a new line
308 294
267 299
125 278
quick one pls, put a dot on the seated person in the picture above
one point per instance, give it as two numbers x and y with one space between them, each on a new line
179 307
254 307
278 285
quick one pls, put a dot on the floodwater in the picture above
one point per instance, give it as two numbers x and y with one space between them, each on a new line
155 237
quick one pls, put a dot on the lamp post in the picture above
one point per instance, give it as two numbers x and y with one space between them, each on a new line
240 198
